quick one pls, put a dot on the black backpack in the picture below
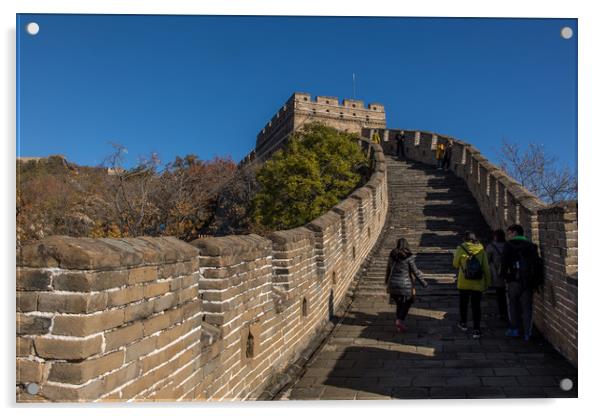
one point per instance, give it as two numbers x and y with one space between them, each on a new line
473 269
527 267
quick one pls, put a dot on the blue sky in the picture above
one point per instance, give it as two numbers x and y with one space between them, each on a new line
207 84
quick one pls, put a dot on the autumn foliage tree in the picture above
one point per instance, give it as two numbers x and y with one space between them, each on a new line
317 168
178 199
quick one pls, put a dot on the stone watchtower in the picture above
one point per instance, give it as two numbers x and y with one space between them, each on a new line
350 116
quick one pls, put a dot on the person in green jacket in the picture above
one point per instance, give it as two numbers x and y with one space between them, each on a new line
471 285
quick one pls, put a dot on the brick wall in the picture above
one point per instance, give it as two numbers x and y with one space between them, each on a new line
503 202
160 319
555 308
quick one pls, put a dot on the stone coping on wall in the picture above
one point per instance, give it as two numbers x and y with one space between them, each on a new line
83 253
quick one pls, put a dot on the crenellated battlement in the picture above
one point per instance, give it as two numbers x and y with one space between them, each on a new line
350 115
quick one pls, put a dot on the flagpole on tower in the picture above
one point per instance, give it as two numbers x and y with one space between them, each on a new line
354 86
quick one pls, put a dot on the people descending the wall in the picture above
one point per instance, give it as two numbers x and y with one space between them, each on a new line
400 279
494 252
439 152
447 154
474 277
522 269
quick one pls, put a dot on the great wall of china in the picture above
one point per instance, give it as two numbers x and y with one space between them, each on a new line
227 318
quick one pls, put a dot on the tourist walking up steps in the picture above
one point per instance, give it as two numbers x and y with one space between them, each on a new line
474 278
494 255
522 269
400 280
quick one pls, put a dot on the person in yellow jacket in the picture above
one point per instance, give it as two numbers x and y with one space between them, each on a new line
472 280
439 153
376 138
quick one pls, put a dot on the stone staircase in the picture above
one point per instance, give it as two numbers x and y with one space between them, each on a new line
364 358
431 209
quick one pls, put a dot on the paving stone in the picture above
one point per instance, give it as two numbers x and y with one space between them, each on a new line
409 393
447 393
338 393
311 393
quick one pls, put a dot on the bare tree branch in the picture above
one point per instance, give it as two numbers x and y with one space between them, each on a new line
538 171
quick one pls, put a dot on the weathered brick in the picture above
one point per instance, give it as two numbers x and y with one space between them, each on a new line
24 346
156 323
165 302
188 294
27 301
32 324
139 310
142 274
121 376
33 279
124 296
155 289
68 349
29 371
67 393
90 281
140 348
71 302
84 325
79 373
124 336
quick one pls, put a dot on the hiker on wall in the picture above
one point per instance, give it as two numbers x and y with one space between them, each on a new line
447 154
400 279
439 151
474 278
399 138
522 269
494 255
376 137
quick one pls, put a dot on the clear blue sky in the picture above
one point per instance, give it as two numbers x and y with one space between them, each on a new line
207 84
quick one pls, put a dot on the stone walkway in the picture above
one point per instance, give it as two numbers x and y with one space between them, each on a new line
365 359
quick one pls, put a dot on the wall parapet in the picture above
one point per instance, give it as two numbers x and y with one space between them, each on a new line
155 318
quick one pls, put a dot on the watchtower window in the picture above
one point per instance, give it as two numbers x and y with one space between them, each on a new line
367 118
354 114
304 307
353 105
334 278
328 111
341 115
304 98
327 102
353 252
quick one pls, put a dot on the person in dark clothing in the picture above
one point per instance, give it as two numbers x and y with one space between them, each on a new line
400 278
399 138
520 290
447 154
494 254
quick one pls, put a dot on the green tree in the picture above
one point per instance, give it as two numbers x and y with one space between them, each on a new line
317 168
